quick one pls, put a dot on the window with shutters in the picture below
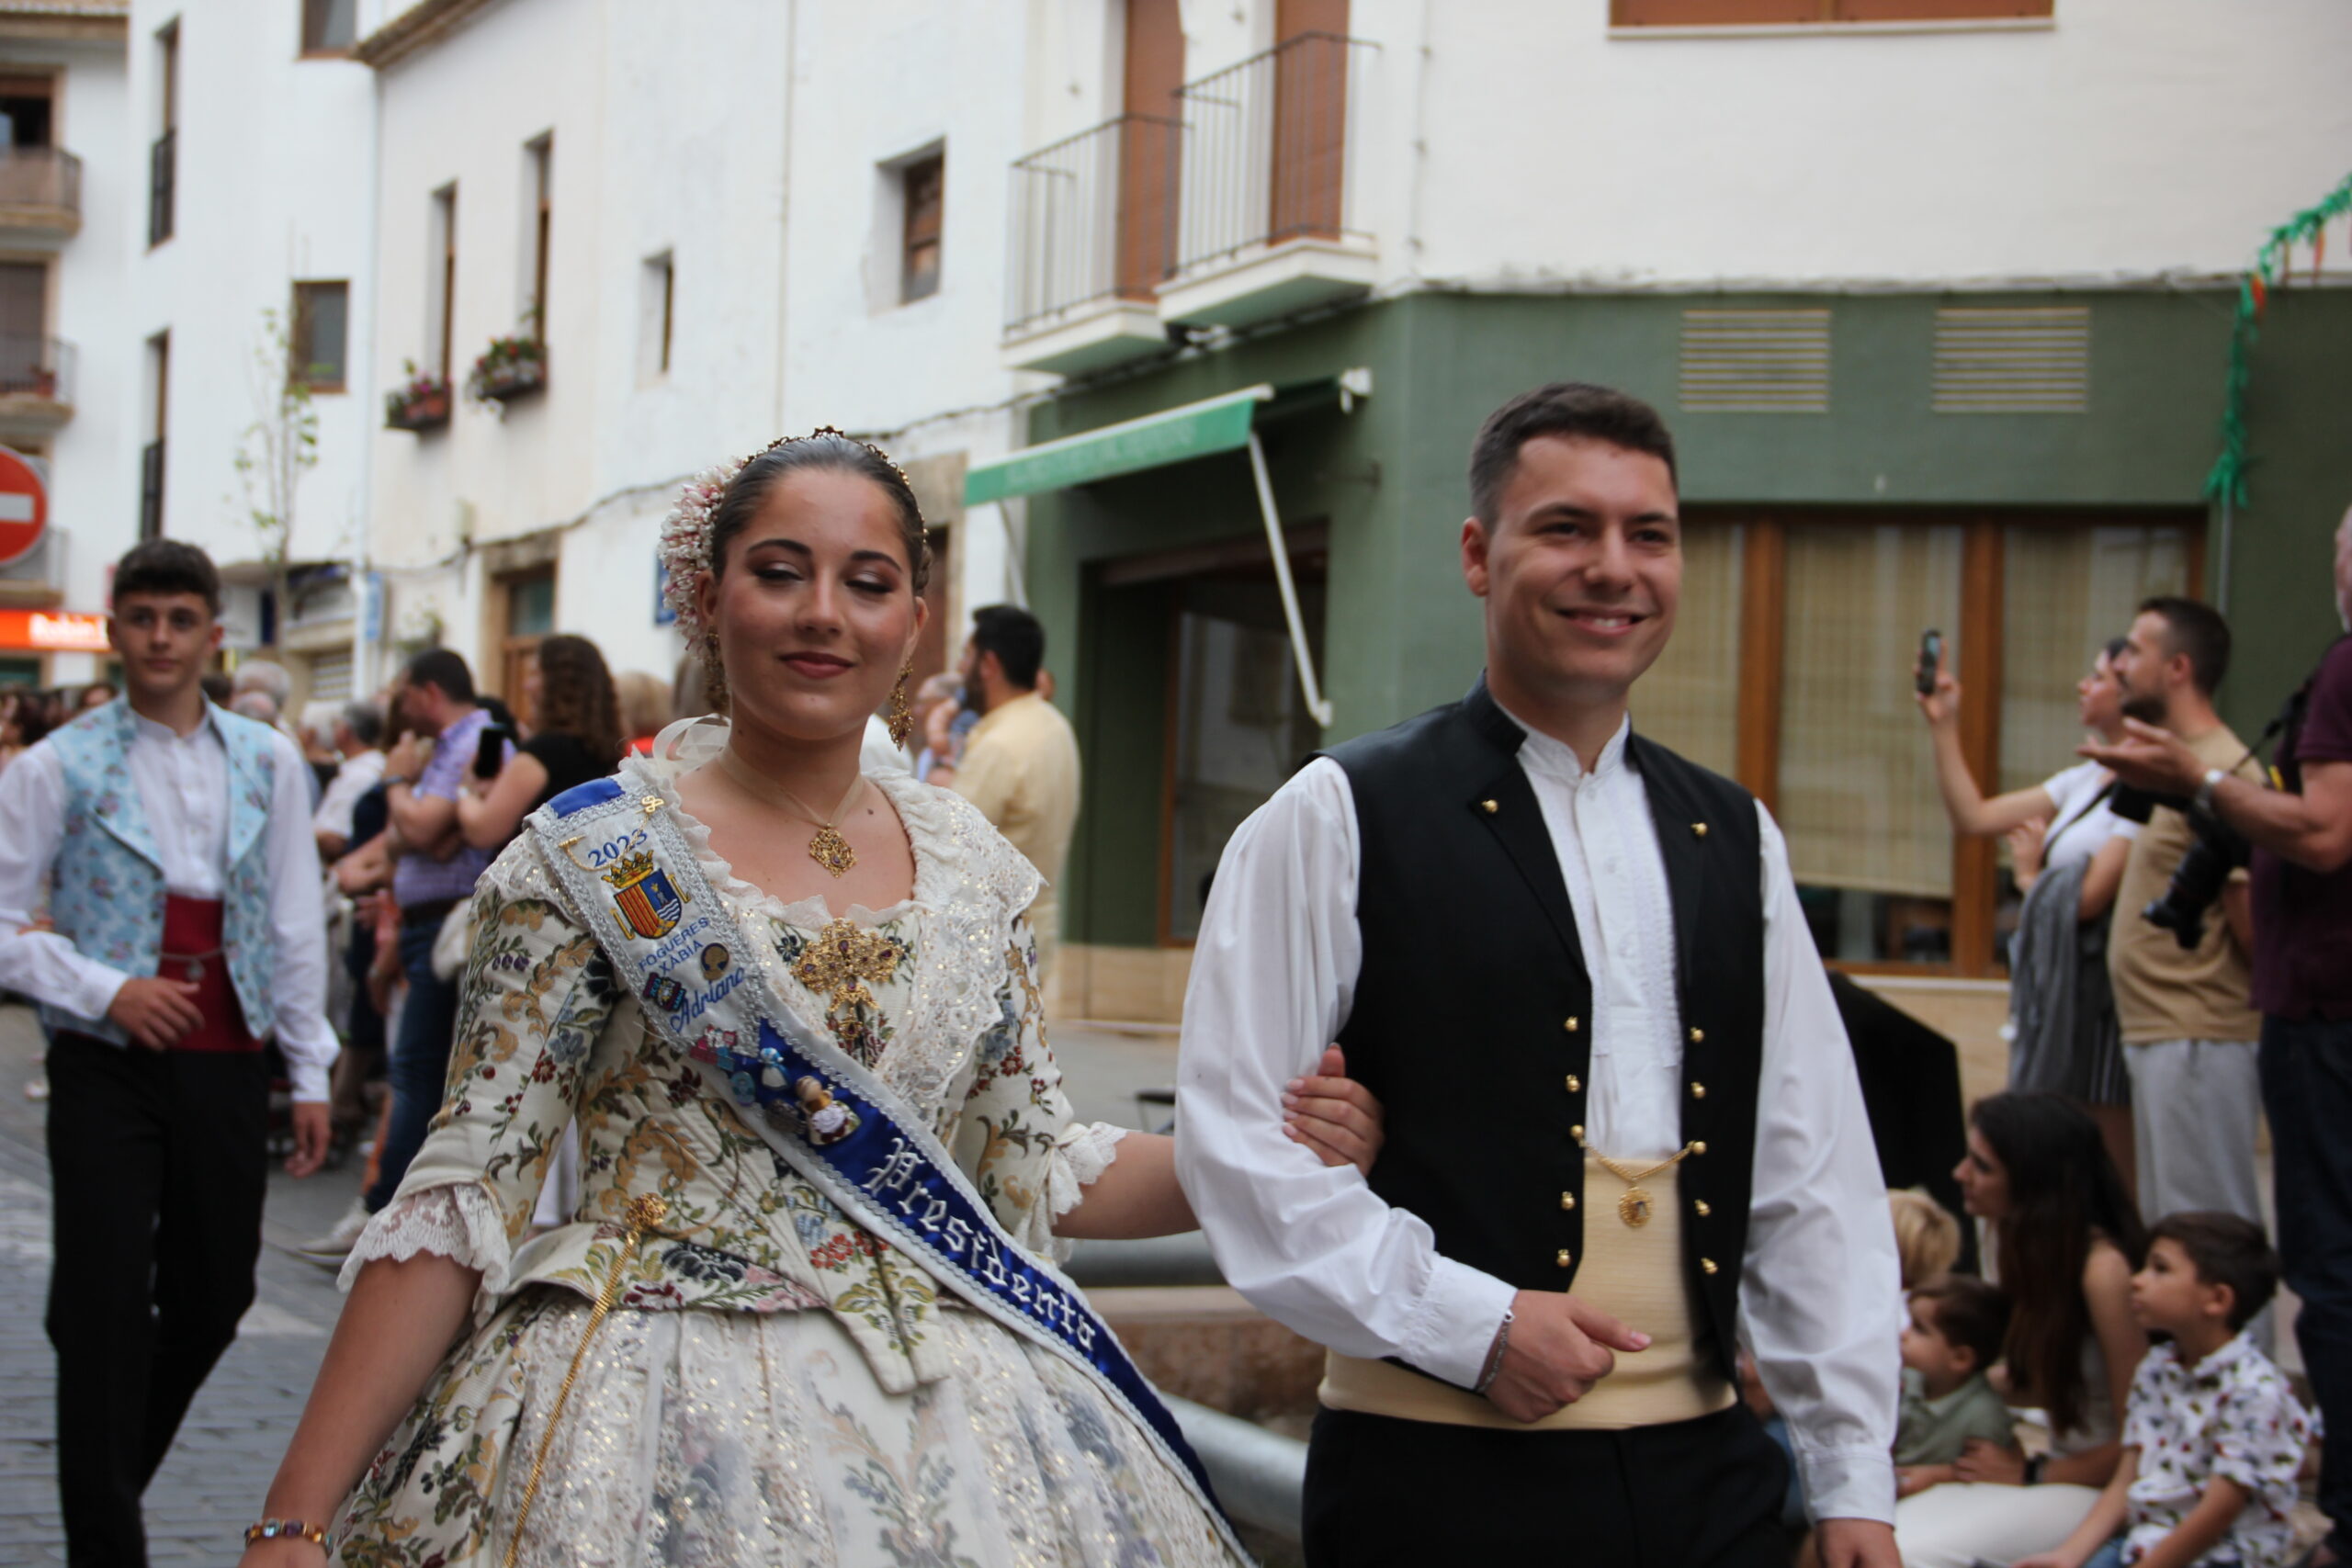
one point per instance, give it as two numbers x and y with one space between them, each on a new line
924 194
320 339
1817 12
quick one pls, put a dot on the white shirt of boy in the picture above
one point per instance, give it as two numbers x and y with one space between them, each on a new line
2231 1418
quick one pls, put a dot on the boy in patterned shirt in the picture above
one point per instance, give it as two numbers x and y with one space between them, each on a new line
2213 1435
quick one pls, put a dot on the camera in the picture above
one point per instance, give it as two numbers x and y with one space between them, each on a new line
2203 872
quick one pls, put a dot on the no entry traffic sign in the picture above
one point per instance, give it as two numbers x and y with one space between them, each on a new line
24 507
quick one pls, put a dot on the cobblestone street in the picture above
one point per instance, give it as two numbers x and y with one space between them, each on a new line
211 1486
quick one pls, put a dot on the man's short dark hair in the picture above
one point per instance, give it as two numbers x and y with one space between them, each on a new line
167 566
1572 410
2225 1249
1970 1312
1016 638
445 668
2196 629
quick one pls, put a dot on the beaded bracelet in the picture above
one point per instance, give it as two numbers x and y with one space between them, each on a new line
270 1529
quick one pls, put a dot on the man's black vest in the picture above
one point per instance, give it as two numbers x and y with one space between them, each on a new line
1472 1011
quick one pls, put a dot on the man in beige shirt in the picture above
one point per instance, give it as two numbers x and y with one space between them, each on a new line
2188 1020
1020 763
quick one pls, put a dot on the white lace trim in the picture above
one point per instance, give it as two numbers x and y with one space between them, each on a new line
1082 1153
460 1222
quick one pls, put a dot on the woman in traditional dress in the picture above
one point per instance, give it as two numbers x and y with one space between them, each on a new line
777 1379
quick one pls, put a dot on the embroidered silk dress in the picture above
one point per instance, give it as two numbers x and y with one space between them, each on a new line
775 1385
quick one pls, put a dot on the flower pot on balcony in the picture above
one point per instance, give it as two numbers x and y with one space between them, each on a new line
417 409
512 367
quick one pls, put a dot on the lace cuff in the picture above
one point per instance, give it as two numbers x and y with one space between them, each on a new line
459 1222
1080 1157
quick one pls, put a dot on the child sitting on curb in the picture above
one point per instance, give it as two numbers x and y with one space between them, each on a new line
2213 1435
1957 1326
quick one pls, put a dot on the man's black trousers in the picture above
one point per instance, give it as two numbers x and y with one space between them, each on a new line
1703 1494
158 1164
2307 1094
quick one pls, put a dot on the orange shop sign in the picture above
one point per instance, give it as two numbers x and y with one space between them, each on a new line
52 631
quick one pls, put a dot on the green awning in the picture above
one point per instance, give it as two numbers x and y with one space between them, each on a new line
1172 435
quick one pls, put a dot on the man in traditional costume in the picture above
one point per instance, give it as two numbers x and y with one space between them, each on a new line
187 928
1624 1132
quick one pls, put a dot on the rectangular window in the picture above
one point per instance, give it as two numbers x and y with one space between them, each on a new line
24 318
542 160
150 456
1811 13
530 616
1790 669
924 187
329 27
319 335
27 112
441 299
657 312
163 157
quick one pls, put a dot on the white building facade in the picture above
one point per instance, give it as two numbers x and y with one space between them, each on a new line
69 176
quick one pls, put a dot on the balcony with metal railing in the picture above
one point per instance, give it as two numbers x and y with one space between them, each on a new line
40 192
1269 218
36 384
1091 235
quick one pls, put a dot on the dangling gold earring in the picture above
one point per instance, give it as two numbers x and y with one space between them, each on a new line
902 714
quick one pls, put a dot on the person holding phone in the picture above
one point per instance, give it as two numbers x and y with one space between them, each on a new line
2068 849
574 714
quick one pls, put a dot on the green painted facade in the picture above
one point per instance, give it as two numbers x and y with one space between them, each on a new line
1402 633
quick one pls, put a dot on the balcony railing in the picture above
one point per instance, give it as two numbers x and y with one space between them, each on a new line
1092 218
163 174
37 369
1269 146
40 177
151 490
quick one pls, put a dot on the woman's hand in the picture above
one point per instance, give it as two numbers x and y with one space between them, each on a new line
2026 843
1912 1479
1333 1115
283 1552
1988 1462
1940 706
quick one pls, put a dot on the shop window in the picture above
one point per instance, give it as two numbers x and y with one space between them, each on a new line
924 191
20 672
1790 669
319 340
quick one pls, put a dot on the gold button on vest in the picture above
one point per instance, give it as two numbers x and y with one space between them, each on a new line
1565 1257
1698 1147
1698 1037
1576 1084
1697 1091
1707 1264
1570 1026
1567 1200
1700 1204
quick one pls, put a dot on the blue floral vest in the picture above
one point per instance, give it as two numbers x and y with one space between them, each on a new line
108 896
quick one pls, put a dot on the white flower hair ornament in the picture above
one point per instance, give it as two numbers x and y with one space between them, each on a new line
685 545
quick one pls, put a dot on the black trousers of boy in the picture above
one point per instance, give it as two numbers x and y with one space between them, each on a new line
1699 1494
158 1164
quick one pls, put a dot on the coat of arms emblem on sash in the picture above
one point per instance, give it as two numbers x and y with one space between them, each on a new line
642 893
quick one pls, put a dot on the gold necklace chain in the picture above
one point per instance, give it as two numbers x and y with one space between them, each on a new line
827 848
1634 1208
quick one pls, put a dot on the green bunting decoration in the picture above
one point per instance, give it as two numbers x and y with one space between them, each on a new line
2226 481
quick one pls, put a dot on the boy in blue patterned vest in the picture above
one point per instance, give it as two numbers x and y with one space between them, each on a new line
184 897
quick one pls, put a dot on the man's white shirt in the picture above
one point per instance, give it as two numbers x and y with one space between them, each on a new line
1274 978
182 782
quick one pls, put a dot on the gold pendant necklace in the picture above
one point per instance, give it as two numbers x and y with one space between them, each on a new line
828 849
1634 1208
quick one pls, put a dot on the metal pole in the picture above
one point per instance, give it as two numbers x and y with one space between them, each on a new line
1307 683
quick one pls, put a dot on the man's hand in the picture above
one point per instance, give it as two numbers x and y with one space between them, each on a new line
1857 1543
155 1012
1558 1348
311 1132
2150 759
407 759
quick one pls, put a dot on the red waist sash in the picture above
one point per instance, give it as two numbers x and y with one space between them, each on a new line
192 952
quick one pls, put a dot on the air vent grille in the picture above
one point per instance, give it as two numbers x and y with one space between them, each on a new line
2012 361
1756 361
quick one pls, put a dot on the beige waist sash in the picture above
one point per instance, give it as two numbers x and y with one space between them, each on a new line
1635 1275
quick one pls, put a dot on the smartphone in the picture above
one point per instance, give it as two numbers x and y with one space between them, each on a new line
1931 660
489 754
